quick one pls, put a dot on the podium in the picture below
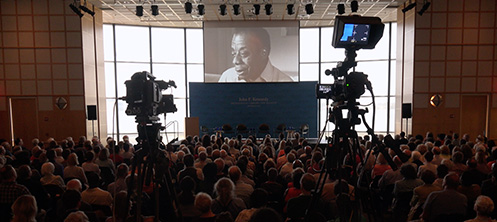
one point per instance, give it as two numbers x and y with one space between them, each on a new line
192 126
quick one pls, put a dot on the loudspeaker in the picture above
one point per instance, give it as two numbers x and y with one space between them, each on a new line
91 112
406 110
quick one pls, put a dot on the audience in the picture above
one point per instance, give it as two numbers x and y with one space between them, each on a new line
250 179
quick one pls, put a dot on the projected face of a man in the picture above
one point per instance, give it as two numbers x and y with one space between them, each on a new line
249 56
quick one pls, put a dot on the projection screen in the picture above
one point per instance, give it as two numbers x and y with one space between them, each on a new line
251 51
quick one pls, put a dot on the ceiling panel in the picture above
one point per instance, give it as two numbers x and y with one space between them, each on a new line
172 12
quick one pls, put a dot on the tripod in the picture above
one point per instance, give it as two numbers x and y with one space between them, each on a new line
150 163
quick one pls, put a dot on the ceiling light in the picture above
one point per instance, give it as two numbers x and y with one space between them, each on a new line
409 7
139 11
354 6
269 9
289 9
87 10
201 9
425 7
309 9
341 9
222 9
188 7
236 9
76 10
257 9
155 10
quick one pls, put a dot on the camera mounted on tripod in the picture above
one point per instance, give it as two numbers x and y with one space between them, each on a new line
352 33
145 99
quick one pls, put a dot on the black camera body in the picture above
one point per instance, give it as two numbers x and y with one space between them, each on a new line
145 99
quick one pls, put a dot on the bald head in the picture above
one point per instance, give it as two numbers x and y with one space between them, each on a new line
451 181
74 184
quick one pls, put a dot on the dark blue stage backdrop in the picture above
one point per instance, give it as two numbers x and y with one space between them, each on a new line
252 104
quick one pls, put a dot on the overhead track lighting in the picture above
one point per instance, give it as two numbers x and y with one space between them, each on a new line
188 7
236 9
309 8
257 9
289 9
354 6
87 10
222 9
139 11
425 7
341 8
201 9
155 10
76 10
409 7
269 9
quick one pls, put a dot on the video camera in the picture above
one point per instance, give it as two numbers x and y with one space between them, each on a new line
145 99
352 33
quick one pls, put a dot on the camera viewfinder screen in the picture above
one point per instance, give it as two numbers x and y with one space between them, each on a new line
356 33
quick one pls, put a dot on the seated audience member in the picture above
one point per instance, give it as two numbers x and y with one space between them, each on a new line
484 207
71 202
9 191
47 170
489 188
203 204
258 199
265 215
186 198
428 165
446 203
34 186
104 161
226 201
189 169
90 165
380 167
24 209
120 183
121 208
297 206
294 189
391 176
421 193
459 163
470 190
94 195
78 216
58 168
76 185
403 192
442 171
275 190
210 178
242 190
72 169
